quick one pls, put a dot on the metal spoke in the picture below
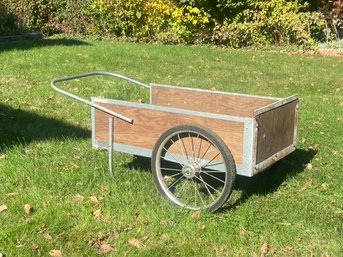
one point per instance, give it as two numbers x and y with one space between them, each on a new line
182 146
181 189
192 145
209 146
214 164
178 161
171 169
175 182
199 149
208 174
211 160
201 180
197 191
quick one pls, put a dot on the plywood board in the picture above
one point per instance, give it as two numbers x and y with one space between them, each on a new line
276 129
149 124
208 101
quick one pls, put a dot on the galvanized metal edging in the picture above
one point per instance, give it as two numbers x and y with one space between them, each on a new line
215 91
277 104
171 109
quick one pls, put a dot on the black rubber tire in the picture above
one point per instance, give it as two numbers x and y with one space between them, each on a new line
213 140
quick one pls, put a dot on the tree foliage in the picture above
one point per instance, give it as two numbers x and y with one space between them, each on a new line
225 22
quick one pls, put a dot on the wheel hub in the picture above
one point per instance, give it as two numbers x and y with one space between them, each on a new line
191 169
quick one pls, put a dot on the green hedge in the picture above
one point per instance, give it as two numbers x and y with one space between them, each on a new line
224 22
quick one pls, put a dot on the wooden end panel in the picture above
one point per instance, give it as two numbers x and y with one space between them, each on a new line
149 124
204 101
276 129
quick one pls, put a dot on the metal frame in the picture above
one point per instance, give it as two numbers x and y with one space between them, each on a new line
96 73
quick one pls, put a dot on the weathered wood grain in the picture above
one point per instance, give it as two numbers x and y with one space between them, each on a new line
149 124
204 101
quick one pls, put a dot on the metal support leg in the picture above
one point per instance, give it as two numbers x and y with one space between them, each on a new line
110 146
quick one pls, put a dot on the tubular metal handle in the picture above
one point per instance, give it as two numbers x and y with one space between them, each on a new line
96 106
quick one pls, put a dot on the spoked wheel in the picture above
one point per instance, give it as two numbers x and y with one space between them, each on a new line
193 167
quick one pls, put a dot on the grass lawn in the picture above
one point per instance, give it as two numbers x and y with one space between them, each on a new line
56 197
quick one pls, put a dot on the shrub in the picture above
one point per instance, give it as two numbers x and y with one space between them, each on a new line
276 22
8 22
156 20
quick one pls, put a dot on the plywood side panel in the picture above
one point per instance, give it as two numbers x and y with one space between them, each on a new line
149 124
206 101
276 129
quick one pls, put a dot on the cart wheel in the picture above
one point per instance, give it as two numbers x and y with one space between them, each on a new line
193 167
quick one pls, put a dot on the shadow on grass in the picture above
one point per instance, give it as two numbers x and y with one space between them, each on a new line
263 183
271 179
19 127
25 44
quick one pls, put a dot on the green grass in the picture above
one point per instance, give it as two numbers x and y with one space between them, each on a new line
46 156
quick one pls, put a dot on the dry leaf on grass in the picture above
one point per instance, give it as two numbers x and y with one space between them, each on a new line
12 194
27 208
78 198
289 248
264 249
55 253
196 214
2 156
3 207
34 246
47 236
309 166
93 199
105 247
97 213
136 243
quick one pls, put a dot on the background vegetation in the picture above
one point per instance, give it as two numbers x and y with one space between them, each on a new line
221 22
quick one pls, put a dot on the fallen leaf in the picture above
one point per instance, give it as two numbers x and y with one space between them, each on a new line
3 207
114 234
2 156
289 248
146 222
163 222
93 199
33 108
309 166
11 194
136 243
34 246
202 227
104 186
325 185
75 165
47 236
97 213
140 100
264 249
196 214
27 208
105 247
55 253
78 198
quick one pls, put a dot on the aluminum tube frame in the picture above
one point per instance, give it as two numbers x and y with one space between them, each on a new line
117 115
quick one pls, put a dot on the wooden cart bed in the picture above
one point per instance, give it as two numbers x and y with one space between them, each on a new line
258 130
